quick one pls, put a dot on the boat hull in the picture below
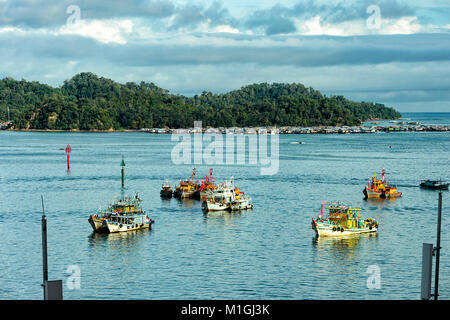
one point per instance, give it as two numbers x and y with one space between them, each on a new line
371 194
166 194
326 230
241 205
187 194
112 227
434 187
215 206
97 224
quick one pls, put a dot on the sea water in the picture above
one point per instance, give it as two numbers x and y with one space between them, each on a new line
269 252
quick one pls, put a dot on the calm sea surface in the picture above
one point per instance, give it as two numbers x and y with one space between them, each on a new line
267 253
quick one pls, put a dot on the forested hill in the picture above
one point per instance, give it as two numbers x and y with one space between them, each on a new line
89 102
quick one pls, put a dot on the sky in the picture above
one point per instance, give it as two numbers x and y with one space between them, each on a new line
388 51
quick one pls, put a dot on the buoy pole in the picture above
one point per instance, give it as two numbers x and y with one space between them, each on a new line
123 172
44 250
438 248
68 151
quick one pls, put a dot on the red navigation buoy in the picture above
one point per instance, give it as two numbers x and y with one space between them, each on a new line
68 151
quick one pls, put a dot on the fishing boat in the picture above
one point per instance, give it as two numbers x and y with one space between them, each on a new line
166 190
240 201
434 184
380 188
188 188
126 214
215 204
226 197
220 198
207 185
342 220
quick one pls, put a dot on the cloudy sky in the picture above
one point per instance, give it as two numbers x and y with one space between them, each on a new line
390 51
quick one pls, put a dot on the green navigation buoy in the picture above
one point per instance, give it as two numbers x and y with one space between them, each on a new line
123 171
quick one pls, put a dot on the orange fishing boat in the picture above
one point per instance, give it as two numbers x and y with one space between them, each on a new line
188 188
380 188
207 185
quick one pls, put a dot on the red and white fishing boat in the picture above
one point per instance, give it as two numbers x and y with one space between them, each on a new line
207 185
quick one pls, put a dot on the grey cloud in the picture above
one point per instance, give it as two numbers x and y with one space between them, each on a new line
45 14
311 51
192 15
278 19
389 69
398 95
50 13
189 15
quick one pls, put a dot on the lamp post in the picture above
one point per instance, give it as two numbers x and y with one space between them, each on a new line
428 252
53 290
438 248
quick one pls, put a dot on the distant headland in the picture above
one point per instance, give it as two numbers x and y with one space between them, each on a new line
87 102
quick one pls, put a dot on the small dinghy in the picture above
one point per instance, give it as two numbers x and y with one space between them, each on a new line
434 184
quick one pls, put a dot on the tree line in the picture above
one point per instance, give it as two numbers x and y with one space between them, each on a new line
89 102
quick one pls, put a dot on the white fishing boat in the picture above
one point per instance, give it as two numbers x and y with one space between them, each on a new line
124 214
241 202
226 197
121 223
219 199
215 205
223 190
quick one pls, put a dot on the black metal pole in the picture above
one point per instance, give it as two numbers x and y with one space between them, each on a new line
438 248
44 250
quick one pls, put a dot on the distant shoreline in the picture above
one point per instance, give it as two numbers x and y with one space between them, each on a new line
269 130
72 130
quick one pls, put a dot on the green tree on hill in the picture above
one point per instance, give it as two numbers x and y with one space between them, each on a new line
89 102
